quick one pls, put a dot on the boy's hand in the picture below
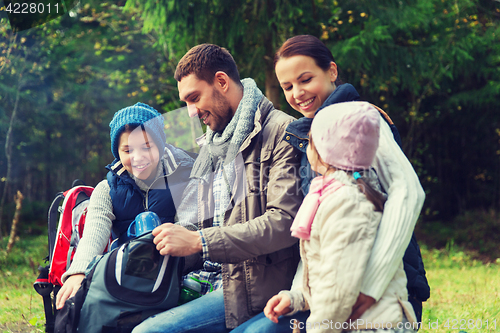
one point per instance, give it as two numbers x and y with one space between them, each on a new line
69 289
176 240
277 306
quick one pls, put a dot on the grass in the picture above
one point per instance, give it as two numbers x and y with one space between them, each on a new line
462 289
464 293
21 307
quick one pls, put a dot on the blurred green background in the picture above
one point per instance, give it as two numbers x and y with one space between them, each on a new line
433 65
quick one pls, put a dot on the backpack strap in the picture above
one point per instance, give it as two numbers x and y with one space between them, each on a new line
75 234
53 218
384 114
394 130
44 288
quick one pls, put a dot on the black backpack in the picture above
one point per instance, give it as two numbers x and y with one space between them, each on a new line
122 288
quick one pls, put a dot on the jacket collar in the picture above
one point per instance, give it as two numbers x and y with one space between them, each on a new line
344 93
263 109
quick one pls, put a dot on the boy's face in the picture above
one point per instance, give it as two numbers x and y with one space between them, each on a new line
205 101
139 154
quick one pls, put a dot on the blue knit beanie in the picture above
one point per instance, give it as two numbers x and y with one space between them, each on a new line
138 114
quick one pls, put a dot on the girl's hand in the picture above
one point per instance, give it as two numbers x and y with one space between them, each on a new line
277 306
69 289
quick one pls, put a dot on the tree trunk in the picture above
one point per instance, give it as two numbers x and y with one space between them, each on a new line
19 204
272 85
8 154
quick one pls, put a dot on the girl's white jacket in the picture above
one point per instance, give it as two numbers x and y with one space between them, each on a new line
335 262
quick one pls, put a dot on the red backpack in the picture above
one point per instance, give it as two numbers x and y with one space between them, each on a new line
69 231
65 229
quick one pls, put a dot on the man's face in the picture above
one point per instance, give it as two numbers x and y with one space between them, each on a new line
211 106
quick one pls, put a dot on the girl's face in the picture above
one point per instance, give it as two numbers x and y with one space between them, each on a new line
316 164
139 153
305 84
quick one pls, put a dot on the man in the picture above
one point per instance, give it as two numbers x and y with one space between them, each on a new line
247 186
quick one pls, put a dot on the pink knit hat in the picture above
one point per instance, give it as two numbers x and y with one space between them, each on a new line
346 135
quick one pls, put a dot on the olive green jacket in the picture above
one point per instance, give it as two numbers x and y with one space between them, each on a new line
259 256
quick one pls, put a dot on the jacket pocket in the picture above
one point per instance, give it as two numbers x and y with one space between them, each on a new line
66 321
275 257
257 165
269 274
252 173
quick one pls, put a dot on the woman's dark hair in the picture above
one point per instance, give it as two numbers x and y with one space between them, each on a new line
375 197
310 46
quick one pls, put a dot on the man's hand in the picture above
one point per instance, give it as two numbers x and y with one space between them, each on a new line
176 240
276 306
362 304
69 289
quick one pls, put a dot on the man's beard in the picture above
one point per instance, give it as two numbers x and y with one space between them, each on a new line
222 112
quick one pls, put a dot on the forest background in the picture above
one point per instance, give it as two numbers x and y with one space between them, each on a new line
432 65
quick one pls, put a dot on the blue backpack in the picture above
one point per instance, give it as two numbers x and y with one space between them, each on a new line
122 288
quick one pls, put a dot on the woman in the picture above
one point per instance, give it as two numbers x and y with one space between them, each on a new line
309 78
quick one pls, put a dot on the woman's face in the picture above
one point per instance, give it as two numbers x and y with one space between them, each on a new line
305 84
138 153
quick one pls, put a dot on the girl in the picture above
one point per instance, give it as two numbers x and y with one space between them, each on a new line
337 224
309 78
146 175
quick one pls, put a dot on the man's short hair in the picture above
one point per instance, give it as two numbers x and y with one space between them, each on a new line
204 61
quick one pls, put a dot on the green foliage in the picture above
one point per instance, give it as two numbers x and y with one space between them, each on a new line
181 130
451 256
250 30
33 217
476 231
432 65
24 258
72 74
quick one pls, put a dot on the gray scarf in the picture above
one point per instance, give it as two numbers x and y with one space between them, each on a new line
225 145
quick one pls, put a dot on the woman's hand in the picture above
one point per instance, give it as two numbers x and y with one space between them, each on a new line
277 306
362 304
69 289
